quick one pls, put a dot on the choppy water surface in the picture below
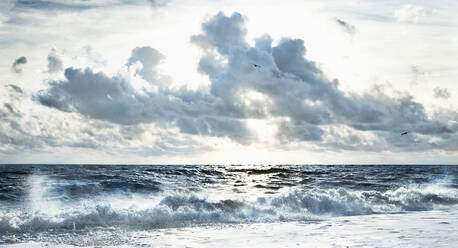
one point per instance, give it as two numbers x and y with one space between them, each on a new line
59 203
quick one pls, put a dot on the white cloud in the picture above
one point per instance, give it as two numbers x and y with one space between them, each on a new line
285 85
116 96
411 13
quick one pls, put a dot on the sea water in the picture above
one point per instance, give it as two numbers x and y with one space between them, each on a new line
228 206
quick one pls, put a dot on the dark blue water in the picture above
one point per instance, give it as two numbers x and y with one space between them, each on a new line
37 200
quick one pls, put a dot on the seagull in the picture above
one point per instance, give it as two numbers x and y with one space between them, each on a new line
404 133
256 65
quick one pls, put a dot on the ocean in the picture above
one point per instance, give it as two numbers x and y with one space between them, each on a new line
228 206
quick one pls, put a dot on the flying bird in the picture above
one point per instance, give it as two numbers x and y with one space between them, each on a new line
404 133
256 65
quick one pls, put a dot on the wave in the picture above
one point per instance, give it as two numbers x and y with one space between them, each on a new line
253 171
162 210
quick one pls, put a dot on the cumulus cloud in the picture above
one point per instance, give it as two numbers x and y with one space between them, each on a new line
222 33
347 27
441 93
149 59
117 100
294 89
288 89
17 64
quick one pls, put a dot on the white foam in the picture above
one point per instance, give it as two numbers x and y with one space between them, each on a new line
413 229
43 212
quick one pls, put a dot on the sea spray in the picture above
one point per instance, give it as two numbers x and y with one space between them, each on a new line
40 200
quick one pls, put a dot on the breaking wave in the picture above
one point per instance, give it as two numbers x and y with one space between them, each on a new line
160 210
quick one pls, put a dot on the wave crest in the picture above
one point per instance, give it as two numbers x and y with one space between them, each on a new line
179 210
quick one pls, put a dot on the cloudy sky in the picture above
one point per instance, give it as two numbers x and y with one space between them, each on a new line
174 81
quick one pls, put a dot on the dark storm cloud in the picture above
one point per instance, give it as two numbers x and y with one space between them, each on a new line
441 93
347 27
17 64
287 87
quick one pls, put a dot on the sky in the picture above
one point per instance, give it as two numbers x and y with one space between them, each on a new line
175 81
